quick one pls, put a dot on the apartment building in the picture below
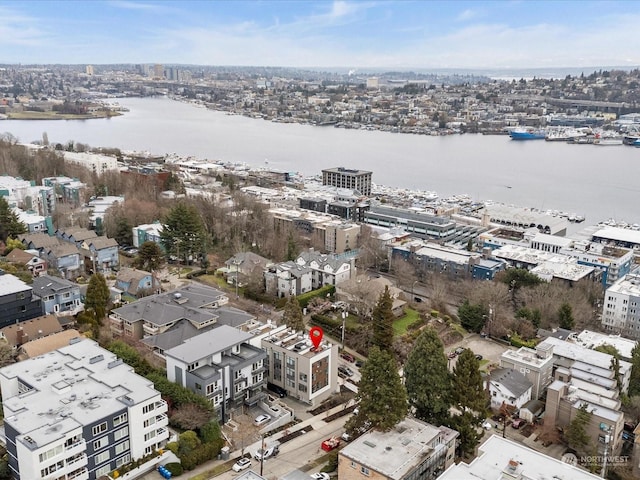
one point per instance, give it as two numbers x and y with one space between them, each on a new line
536 365
307 374
413 449
17 302
500 458
221 365
78 412
621 307
94 162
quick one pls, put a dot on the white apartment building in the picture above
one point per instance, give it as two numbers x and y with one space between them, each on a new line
94 162
621 307
78 413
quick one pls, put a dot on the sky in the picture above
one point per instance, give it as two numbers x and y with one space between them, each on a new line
391 34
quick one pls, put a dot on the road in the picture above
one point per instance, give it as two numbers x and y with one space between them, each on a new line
305 447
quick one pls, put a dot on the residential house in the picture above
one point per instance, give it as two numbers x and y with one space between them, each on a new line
65 258
75 235
243 266
38 241
147 233
412 449
197 304
89 415
306 373
49 343
17 334
288 278
508 387
326 269
17 302
500 458
59 296
28 259
363 292
221 365
535 364
100 254
136 283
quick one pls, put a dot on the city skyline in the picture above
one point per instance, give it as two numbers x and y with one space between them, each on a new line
322 34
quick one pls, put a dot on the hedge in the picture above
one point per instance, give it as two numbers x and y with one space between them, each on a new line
518 341
175 468
203 453
305 298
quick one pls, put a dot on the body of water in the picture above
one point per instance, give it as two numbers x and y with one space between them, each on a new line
597 182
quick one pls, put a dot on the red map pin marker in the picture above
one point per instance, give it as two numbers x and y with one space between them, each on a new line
315 334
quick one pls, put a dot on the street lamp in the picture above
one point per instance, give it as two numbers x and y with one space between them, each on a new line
412 287
237 264
607 439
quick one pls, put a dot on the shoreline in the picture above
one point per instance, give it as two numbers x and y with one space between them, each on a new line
28 116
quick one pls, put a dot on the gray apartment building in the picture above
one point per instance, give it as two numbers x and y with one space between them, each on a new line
351 179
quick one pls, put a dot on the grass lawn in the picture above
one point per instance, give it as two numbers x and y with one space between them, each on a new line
401 324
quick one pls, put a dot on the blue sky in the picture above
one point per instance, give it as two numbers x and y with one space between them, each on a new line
351 34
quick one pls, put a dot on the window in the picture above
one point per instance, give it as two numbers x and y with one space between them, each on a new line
103 471
303 377
51 453
99 444
120 419
102 457
198 386
123 432
364 471
98 429
149 436
148 408
121 447
123 460
353 464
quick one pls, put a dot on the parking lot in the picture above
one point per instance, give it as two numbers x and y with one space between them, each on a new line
489 349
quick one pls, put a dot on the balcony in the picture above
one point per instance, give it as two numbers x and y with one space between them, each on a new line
81 474
77 461
149 329
76 448
240 379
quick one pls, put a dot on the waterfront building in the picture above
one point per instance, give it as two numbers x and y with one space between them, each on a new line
410 450
416 222
613 262
341 177
94 162
500 458
78 412
526 218
306 373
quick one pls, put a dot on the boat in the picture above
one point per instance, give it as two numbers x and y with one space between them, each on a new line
527 134
630 139
607 142
564 134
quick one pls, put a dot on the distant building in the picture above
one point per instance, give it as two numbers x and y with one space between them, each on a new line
88 70
413 449
621 307
94 162
341 177
89 414
500 459
147 233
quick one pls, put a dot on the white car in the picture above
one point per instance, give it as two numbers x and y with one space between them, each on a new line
320 476
486 426
241 464
262 419
263 454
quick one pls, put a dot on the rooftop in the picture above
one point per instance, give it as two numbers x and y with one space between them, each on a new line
500 458
589 339
10 284
397 452
584 355
74 386
208 343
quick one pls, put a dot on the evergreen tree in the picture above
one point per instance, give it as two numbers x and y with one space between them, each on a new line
634 380
472 317
150 257
383 398
183 232
124 234
470 398
383 321
10 224
576 432
468 392
565 316
97 297
427 379
292 315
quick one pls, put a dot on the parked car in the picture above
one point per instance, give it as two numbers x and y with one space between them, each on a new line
345 371
320 476
264 453
262 419
452 355
330 444
241 464
359 363
518 422
478 357
348 357
486 425
459 350
278 390
346 437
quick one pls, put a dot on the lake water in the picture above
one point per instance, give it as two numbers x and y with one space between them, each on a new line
597 182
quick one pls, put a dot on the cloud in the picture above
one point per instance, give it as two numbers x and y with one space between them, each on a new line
139 6
466 15
21 30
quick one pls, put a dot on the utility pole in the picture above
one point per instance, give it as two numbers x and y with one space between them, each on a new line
261 453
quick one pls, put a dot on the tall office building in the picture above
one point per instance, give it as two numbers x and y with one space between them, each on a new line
341 177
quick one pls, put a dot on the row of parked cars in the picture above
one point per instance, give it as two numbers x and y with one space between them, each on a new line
458 351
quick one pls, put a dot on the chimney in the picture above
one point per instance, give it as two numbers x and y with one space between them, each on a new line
19 337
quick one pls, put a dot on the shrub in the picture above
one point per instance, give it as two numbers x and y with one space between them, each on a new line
173 447
201 454
518 341
435 313
175 468
305 298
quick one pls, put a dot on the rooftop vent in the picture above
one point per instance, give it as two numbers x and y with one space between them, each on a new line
369 444
96 359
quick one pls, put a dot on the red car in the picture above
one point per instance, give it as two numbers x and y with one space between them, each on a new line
348 357
518 422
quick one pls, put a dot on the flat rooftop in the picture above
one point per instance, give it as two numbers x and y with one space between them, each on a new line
396 452
589 339
581 354
500 458
70 387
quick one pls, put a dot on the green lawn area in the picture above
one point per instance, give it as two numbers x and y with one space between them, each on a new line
400 325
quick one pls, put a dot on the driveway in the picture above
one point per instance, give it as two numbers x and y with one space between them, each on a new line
489 349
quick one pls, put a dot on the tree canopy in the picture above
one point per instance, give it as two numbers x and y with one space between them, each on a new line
382 318
150 257
383 399
292 314
97 297
472 317
183 232
427 378
565 316
10 224
634 380
576 432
